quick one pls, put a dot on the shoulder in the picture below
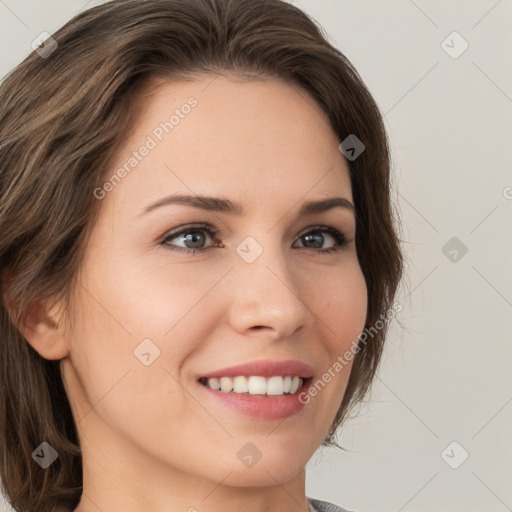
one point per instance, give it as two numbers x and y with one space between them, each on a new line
325 506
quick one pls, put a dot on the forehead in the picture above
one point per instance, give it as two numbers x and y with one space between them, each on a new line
258 139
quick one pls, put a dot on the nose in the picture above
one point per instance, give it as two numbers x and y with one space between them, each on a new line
267 298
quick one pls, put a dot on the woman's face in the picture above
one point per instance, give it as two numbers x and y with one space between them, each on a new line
156 312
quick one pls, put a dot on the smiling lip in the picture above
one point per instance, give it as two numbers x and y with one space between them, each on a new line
262 406
264 369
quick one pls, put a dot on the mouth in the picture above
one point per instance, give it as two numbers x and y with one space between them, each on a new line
254 402
267 390
277 385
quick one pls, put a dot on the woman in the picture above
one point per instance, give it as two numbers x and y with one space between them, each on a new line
196 235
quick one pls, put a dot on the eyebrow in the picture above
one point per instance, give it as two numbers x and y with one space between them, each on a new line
222 205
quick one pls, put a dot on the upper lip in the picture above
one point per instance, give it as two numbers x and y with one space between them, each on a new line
265 368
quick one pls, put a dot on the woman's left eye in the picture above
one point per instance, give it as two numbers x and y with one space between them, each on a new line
194 236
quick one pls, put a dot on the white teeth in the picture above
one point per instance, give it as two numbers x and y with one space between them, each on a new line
257 385
296 383
226 384
214 383
275 386
240 385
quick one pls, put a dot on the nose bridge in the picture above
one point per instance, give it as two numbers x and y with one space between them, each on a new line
267 293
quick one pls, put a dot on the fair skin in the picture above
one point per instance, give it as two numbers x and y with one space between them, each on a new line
152 439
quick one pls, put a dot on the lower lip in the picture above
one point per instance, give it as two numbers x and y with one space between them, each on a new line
262 406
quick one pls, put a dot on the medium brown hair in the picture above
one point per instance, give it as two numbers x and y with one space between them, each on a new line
62 118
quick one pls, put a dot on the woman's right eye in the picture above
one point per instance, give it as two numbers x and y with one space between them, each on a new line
193 235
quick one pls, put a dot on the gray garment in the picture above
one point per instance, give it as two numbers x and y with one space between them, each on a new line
325 506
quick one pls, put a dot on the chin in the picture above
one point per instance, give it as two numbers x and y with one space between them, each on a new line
263 475
268 465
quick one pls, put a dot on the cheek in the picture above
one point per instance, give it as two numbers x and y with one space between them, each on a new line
131 314
340 302
150 296
124 392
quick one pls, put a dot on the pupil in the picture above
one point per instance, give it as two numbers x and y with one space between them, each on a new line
194 237
319 239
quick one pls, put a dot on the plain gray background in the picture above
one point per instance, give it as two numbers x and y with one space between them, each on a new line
446 377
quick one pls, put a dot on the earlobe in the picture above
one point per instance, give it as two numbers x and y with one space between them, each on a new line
43 331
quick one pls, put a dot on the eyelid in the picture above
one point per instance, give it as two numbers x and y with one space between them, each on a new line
212 230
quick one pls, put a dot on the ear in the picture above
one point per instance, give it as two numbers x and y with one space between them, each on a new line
45 331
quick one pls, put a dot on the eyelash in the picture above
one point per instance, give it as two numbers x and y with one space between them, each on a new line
341 239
